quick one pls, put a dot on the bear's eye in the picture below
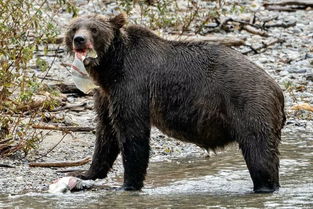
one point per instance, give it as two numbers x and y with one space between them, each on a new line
94 30
74 29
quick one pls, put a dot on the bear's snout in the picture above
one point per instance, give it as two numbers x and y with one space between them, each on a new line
79 40
82 41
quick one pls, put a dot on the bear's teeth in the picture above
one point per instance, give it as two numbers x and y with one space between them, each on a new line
92 53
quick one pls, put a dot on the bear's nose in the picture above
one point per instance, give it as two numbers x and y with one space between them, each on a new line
79 40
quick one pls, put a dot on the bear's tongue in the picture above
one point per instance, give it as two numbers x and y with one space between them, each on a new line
81 54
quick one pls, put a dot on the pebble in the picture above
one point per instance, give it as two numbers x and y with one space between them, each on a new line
309 77
295 70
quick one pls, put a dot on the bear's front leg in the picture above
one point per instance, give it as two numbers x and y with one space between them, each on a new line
135 153
132 123
107 146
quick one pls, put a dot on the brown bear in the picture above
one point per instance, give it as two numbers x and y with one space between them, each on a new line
209 95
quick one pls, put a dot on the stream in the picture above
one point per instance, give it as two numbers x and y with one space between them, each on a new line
219 181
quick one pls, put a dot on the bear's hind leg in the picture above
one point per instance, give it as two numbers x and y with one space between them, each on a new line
261 155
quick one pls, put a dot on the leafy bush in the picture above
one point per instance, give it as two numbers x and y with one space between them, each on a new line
176 16
164 14
24 25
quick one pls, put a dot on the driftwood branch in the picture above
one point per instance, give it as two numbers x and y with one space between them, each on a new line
304 106
289 5
226 40
280 8
307 3
250 27
255 31
263 46
64 128
61 164
230 19
6 166
281 25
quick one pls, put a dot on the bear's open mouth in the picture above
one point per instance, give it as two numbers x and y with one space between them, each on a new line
82 52
82 49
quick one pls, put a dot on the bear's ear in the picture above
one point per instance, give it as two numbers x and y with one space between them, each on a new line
119 20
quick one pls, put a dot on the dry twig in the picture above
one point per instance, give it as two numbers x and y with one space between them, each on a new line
255 31
64 128
61 164
264 46
52 148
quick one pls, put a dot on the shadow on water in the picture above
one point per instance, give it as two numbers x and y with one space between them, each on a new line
221 181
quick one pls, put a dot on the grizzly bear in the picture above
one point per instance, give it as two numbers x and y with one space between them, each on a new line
197 92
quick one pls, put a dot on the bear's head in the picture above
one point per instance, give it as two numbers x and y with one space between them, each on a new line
92 32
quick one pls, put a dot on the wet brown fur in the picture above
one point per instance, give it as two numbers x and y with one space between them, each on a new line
205 94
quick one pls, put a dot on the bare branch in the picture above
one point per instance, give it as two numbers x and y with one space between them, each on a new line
61 164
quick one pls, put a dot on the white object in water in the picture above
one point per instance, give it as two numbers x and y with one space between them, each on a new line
69 183
80 76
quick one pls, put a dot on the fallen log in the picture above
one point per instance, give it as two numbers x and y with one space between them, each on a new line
61 164
280 8
307 3
304 106
288 5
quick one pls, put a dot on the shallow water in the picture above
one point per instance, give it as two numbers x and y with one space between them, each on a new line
221 181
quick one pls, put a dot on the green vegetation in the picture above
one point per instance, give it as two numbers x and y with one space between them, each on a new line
163 14
24 25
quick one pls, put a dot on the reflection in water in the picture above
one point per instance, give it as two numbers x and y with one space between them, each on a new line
221 181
